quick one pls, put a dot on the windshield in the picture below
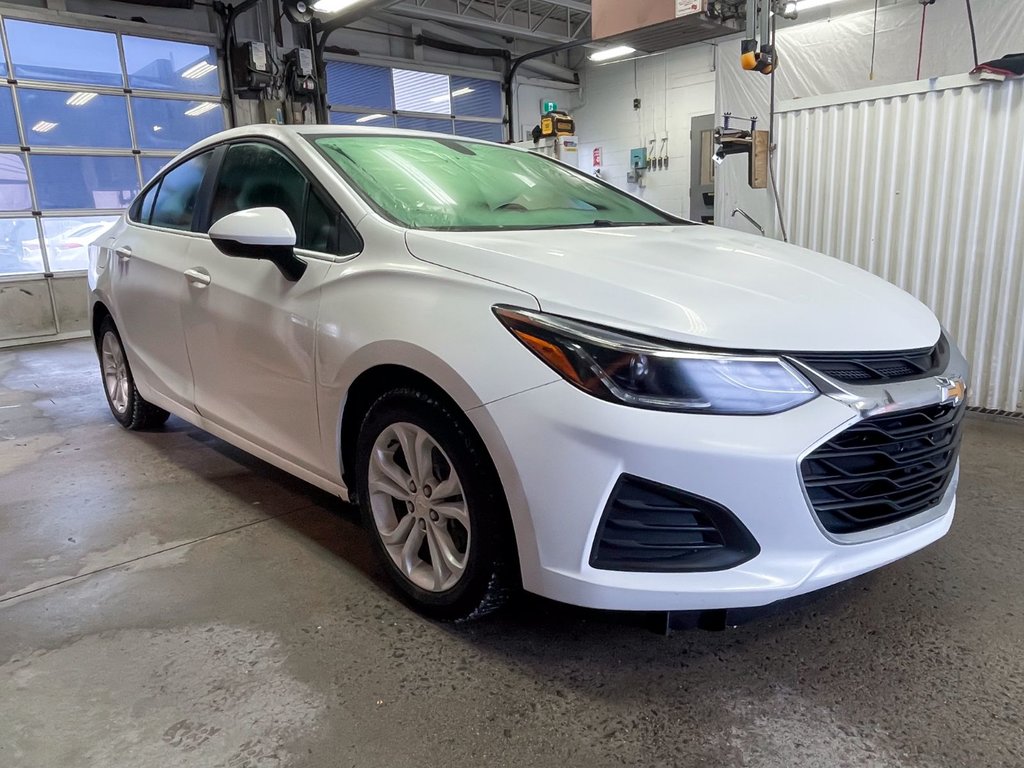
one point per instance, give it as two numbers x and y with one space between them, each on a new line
447 184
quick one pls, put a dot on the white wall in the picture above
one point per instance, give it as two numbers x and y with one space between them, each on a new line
673 88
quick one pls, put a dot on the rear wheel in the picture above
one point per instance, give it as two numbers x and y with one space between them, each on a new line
435 511
125 402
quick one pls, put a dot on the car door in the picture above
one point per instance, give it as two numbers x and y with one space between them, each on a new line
249 330
147 261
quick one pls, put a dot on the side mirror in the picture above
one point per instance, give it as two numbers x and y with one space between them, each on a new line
259 233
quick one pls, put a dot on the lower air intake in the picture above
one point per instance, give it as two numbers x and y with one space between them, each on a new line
651 527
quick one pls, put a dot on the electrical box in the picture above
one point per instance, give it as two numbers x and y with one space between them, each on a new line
299 69
304 62
250 69
638 158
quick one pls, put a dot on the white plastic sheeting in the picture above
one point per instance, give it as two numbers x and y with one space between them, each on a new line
923 186
834 55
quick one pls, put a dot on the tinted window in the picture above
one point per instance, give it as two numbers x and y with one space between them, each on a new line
63 54
8 126
431 124
168 65
476 98
176 197
151 166
258 176
15 194
173 123
421 91
358 85
487 131
370 119
74 119
84 181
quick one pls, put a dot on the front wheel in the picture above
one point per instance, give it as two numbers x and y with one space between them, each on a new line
435 511
125 402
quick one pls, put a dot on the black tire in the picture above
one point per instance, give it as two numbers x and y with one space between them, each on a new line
489 575
137 414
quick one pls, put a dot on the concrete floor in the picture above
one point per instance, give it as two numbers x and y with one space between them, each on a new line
166 600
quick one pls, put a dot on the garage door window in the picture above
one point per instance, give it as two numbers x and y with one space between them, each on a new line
91 115
364 94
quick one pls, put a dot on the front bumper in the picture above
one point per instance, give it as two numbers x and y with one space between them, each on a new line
566 450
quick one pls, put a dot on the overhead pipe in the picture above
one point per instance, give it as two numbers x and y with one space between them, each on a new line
513 66
229 14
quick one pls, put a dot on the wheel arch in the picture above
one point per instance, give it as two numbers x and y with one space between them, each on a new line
375 379
98 314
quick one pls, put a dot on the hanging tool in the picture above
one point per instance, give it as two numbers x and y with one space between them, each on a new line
757 54
924 18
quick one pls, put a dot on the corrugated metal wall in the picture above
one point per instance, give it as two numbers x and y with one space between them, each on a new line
926 190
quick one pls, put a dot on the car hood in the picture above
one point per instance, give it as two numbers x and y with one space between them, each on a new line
696 284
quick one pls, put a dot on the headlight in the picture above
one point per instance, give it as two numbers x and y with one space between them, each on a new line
649 374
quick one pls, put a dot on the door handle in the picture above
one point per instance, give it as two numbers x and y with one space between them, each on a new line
198 277
123 252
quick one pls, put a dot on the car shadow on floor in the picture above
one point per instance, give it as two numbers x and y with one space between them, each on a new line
336 527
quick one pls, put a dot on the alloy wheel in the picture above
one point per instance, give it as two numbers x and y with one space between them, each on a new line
115 372
418 507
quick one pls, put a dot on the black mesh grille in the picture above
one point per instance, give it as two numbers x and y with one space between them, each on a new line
651 527
884 469
877 367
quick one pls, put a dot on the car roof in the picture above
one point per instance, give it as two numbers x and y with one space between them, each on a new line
290 133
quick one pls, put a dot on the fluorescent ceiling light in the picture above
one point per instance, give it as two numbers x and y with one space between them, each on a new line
462 91
333 6
612 53
79 98
199 69
370 118
44 126
200 109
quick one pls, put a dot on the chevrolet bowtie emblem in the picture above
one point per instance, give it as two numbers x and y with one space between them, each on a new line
954 390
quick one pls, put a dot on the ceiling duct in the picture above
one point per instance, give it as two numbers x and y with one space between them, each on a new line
657 25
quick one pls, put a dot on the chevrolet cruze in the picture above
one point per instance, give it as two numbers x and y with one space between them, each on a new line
524 376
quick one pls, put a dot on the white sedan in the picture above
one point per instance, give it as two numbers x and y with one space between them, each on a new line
524 376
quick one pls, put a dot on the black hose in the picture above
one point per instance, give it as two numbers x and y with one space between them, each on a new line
974 36
513 65
771 134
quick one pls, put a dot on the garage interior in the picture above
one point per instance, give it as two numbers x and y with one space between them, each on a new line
168 600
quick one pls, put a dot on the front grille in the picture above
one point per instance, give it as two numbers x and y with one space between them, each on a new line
651 527
884 469
878 367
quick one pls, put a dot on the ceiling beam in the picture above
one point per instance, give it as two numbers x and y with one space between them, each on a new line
572 5
434 29
480 24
